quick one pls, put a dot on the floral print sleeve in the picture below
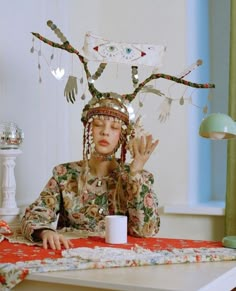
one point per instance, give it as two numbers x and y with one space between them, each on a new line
142 205
43 212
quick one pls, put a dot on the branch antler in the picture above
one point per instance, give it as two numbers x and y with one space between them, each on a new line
94 92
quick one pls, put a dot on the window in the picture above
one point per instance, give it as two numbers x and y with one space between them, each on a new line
209 20
208 32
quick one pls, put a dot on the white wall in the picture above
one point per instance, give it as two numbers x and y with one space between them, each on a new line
53 131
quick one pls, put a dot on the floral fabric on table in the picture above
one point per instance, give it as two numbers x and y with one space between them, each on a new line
4 227
18 259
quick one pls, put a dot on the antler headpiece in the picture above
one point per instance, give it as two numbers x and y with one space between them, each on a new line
104 51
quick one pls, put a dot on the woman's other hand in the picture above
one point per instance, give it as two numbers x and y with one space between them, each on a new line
54 240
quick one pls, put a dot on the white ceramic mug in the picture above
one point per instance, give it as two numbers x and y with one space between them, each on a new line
116 229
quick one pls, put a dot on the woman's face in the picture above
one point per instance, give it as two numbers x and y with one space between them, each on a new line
106 135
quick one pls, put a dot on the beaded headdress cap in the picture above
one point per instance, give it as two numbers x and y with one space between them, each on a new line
109 106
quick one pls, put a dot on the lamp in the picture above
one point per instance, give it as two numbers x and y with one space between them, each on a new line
218 126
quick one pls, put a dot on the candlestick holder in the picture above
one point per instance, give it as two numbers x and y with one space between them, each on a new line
8 206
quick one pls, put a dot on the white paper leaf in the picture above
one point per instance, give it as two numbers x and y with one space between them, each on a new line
58 73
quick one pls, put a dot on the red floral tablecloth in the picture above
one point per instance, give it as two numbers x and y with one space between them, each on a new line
17 259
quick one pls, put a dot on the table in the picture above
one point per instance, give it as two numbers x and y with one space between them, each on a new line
142 264
217 276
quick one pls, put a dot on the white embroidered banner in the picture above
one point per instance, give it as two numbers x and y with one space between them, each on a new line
99 49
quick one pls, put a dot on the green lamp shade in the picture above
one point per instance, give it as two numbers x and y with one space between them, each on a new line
229 242
218 126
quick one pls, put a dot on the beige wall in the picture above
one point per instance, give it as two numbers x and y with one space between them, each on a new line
52 127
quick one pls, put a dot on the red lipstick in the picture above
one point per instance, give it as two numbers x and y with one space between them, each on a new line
103 142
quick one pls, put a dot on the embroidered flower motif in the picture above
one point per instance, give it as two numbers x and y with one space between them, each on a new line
148 200
48 199
60 170
51 184
71 186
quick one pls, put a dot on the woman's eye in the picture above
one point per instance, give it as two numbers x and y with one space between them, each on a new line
116 126
97 124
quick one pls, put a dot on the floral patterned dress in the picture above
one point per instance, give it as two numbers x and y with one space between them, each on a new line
86 210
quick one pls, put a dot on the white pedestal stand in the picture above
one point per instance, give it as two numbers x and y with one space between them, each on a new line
8 207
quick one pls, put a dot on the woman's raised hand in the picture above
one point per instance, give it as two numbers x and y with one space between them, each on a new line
141 149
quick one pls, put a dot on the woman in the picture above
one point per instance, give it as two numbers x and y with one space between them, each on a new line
84 192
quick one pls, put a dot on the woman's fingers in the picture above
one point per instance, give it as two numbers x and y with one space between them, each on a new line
56 243
54 240
144 145
66 243
45 243
148 141
49 240
135 145
154 144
